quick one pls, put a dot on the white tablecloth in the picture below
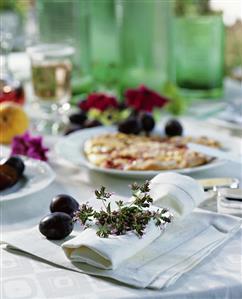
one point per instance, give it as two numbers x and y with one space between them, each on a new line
219 276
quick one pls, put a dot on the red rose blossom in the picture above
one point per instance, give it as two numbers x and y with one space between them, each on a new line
144 99
100 101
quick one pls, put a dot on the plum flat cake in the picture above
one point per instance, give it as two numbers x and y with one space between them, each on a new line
135 152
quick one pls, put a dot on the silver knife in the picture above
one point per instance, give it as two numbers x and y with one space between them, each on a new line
213 152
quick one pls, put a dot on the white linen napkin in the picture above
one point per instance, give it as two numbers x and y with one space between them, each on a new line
230 207
180 193
172 190
108 253
160 264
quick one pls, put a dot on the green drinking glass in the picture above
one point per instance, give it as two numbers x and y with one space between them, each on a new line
66 21
145 42
104 46
199 55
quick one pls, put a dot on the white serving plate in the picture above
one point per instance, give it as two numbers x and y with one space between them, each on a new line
71 146
37 176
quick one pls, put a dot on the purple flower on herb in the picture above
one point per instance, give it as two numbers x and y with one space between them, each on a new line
30 146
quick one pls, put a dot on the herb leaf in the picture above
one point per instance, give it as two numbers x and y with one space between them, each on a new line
133 216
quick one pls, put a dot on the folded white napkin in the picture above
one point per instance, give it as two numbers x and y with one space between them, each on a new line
174 191
108 253
231 207
160 264
180 193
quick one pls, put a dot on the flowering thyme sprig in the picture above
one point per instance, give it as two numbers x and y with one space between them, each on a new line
133 216
84 214
141 195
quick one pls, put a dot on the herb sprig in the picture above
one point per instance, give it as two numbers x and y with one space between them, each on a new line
132 216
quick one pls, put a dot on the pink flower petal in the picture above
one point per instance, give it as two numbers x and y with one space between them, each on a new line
31 146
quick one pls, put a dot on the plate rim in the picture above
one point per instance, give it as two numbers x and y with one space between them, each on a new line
83 162
47 182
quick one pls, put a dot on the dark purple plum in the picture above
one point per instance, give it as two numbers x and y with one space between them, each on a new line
64 203
56 226
173 128
78 118
130 126
16 163
147 122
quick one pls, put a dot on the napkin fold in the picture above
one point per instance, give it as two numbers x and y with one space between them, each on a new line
231 207
180 193
108 253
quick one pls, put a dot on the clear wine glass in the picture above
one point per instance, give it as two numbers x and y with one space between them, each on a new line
51 68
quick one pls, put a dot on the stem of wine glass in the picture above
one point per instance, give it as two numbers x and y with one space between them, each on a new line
6 45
